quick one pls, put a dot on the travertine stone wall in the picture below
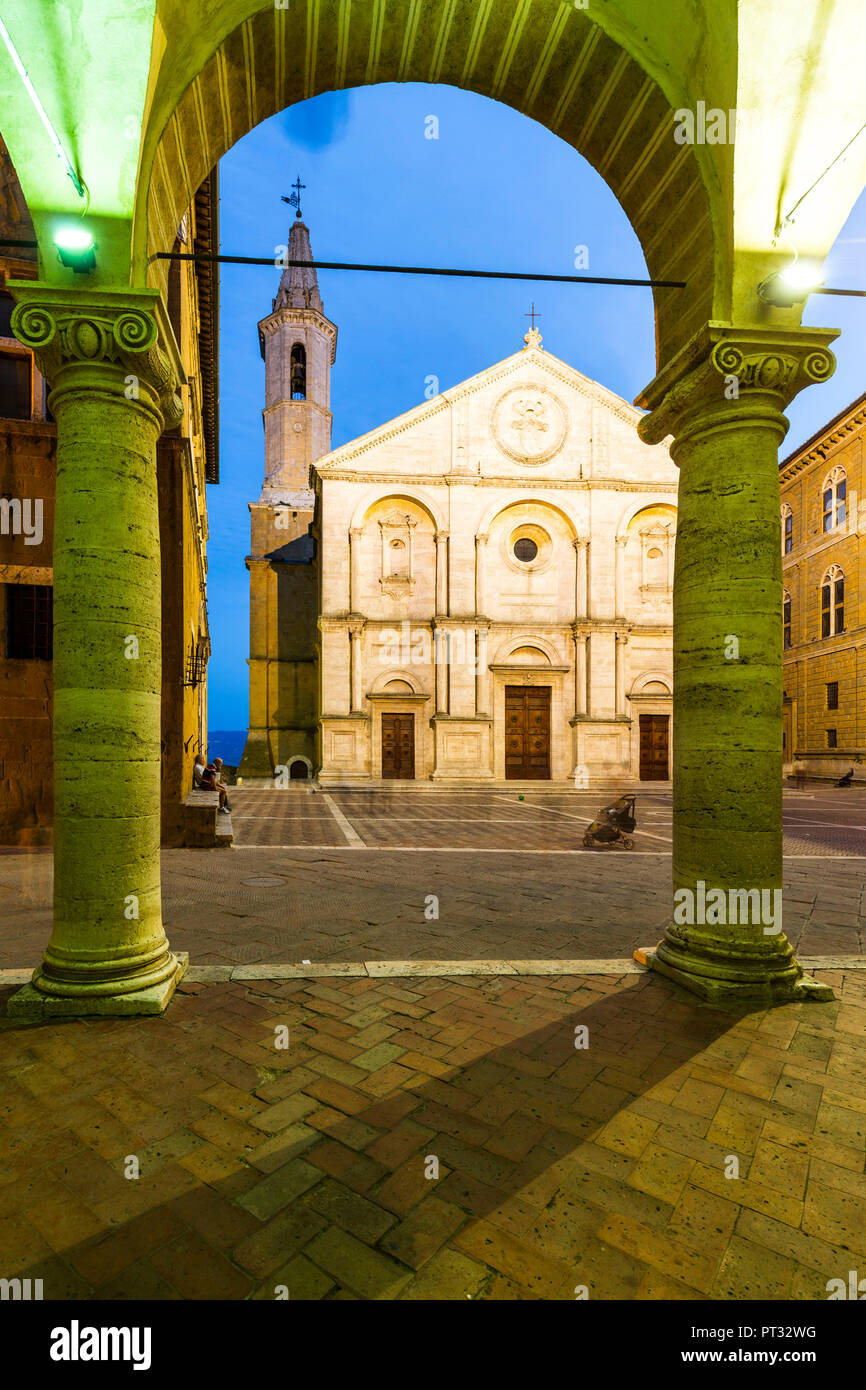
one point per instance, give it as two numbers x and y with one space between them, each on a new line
427 610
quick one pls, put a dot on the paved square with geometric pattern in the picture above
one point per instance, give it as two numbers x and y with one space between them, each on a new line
438 1138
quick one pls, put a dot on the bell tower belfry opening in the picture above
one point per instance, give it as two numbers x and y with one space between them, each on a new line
298 345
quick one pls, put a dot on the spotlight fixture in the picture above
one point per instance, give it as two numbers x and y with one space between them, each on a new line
793 285
76 249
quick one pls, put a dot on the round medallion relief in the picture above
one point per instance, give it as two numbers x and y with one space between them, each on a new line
529 424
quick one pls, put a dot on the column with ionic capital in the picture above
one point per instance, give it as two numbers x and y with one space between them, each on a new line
619 578
621 639
722 399
115 377
355 534
480 576
441 539
580 576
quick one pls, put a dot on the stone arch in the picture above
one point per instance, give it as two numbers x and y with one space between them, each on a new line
512 644
643 504
590 76
297 761
384 678
383 493
647 678
498 509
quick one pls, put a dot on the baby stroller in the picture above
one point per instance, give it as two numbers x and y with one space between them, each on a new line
613 825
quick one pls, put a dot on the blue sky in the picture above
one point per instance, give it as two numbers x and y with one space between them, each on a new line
495 191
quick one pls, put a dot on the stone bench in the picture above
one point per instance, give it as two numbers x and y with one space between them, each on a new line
203 826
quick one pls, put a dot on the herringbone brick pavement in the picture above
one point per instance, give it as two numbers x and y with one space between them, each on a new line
438 1139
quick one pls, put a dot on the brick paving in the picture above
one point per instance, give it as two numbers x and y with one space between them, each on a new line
310 1167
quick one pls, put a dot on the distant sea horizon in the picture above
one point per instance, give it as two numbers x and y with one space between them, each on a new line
227 744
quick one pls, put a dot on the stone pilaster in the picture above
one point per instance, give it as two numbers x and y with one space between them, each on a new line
114 387
442 584
722 399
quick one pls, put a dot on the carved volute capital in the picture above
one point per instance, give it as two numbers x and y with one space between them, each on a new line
726 375
118 343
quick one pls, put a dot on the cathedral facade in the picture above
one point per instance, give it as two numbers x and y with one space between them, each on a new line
476 592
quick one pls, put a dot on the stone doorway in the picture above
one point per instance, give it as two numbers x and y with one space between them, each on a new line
527 732
654 747
398 746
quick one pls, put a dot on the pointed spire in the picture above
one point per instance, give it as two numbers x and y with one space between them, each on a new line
299 284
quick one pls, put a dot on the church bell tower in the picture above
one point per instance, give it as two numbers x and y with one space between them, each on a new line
298 344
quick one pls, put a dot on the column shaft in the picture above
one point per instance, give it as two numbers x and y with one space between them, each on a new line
580 641
112 389
726 938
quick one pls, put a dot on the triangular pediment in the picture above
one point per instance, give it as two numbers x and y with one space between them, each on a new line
531 366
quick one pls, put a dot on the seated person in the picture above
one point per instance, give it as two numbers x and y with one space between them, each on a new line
210 781
198 768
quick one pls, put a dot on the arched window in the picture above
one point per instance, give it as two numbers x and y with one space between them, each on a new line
786 619
299 372
835 489
787 529
833 602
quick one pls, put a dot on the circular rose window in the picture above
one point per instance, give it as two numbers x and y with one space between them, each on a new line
525 549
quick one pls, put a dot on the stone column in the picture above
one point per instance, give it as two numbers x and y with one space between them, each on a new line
481 685
580 693
579 579
440 666
722 399
442 573
619 580
355 696
480 591
114 388
355 533
621 640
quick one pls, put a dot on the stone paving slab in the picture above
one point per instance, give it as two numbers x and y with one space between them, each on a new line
261 906
508 878
438 1137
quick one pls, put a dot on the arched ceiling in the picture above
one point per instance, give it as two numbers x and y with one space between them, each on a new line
147 94
547 59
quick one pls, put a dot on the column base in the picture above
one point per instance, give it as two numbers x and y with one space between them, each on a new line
715 989
31 1006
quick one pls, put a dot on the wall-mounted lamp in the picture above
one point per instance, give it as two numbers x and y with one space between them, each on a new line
793 285
76 249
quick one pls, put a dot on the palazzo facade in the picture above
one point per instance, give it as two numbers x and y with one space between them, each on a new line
824 623
476 592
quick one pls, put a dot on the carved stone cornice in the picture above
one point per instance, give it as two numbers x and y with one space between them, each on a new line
121 343
726 374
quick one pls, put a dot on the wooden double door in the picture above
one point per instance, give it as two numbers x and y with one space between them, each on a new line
527 732
654 747
398 746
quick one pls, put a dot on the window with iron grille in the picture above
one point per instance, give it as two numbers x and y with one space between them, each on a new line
29 622
831 738
832 694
